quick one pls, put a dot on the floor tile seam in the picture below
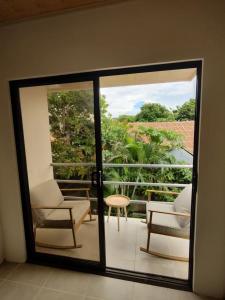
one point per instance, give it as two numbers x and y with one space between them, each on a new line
88 286
23 283
2 278
62 291
44 286
93 298
14 271
37 294
11 272
132 294
136 244
28 282
2 282
137 249
51 271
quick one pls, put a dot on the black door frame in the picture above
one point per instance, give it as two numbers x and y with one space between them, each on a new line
85 265
24 182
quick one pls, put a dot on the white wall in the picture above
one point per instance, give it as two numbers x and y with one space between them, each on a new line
34 108
130 33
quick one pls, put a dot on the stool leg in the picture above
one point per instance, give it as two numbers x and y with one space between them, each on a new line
125 211
109 212
118 218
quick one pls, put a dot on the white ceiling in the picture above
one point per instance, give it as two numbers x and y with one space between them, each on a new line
130 79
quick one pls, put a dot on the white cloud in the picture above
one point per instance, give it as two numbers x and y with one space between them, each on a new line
125 100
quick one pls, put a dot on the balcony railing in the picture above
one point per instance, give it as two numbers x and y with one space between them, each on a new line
108 165
124 183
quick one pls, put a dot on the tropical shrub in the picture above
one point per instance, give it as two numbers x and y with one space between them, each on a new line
186 111
73 140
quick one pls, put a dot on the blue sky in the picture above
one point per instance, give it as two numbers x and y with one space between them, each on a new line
129 99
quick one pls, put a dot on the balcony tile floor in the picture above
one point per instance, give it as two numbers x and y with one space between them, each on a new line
122 248
33 282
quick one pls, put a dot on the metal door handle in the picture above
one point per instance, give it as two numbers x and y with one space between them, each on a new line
96 177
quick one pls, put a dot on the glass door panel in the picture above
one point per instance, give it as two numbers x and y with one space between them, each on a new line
148 147
60 147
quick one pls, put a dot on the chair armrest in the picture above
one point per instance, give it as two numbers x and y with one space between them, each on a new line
75 189
70 198
175 213
52 207
86 190
149 192
162 192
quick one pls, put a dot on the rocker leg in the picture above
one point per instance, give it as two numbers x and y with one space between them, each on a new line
74 239
90 217
73 231
149 231
35 229
148 240
109 212
125 212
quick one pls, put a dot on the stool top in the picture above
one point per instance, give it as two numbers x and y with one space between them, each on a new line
117 200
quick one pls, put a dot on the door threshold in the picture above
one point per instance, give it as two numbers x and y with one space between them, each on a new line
152 279
134 276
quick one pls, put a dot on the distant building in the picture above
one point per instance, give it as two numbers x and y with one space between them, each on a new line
185 128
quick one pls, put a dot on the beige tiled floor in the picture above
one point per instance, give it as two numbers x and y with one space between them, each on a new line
122 248
32 282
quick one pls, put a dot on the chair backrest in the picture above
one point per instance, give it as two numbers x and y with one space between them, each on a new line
45 194
183 204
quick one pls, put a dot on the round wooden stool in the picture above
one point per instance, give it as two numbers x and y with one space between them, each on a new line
117 201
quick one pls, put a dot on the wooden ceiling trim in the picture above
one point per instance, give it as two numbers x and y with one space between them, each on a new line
18 10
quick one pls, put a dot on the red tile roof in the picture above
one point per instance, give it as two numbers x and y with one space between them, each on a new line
185 128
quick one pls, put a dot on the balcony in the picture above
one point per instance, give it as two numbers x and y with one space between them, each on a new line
123 247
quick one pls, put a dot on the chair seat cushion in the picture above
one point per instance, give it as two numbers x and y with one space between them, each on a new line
167 230
161 219
164 223
79 209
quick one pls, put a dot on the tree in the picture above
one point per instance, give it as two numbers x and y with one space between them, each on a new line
126 118
154 112
71 117
146 146
186 111
73 140
72 129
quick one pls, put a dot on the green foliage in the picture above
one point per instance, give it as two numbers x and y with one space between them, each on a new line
72 129
186 111
147 146
73 140
126 118
154 112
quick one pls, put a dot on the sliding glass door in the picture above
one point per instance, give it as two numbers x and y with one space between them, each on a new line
139 125
63 171
148 142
